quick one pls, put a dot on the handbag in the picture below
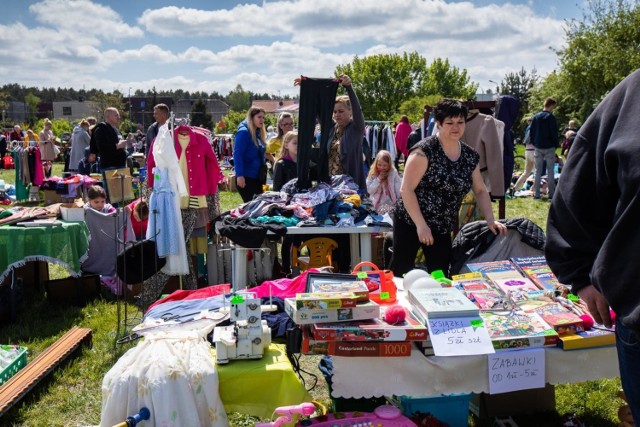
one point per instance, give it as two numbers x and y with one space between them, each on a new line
382 289
139 261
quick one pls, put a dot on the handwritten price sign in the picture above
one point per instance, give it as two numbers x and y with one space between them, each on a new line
460 336
516 370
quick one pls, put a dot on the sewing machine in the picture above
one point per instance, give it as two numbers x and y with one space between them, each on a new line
248 336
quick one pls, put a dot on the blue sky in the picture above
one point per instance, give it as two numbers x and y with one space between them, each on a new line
262 45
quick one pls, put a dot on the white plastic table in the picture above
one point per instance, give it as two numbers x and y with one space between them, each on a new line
360 247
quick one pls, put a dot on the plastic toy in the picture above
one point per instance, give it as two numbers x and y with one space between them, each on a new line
288 412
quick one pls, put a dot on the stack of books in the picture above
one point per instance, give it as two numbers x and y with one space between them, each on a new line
438 303
560 318
511 330
597 336
478 290
512 283
537 269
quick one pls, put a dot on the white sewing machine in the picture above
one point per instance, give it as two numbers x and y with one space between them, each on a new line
248 336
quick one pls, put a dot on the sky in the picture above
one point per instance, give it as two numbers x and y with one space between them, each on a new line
214 45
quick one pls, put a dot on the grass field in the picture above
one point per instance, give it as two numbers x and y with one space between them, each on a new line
71 396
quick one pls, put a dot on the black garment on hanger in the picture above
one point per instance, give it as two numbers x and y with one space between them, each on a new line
317 99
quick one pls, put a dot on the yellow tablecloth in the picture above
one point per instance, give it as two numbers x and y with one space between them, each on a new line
257 387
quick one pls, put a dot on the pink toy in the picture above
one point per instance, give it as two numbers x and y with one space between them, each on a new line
385 415
587 321
287 413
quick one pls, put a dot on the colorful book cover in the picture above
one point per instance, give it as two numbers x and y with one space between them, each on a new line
311 345
594 337
491 266
371 330
508 282
545 280
369 310
442 302
516 329
326 300
358 287
528 262
486 300
557 316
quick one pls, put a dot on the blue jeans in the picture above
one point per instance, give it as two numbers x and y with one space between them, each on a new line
540 155
628 344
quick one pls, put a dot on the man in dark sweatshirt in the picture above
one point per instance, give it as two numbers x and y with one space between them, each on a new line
544 137
593 228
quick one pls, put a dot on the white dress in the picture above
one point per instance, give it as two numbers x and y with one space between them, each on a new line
173 374
165 156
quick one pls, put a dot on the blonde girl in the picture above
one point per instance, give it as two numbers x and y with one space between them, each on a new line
383 183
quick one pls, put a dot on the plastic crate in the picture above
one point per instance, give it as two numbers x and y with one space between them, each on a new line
452 409
13 367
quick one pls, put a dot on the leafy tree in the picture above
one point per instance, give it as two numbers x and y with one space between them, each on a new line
199 115
602 48
105 100
519 84
414 107
32 102
444 79
231 122
59 126
239 99
384 81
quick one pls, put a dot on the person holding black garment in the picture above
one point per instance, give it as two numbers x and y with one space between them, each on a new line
249 154
439 171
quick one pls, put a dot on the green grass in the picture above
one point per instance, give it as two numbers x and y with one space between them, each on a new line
72 395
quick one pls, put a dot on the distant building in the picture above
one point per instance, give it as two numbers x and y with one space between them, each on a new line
75 110
141 108
217 108
275 106
17 112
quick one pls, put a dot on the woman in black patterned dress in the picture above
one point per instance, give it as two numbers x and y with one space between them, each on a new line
439 171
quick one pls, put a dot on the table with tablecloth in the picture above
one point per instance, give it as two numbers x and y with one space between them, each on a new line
66 245
418 375
257 387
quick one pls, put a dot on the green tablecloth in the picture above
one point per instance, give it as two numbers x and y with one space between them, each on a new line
257 387
65 245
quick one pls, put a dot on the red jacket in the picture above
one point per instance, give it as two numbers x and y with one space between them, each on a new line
204 171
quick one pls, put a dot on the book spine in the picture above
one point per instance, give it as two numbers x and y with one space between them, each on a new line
524 342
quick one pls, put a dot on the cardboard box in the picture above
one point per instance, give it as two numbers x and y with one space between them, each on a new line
73 290
369 310
73 214
489 406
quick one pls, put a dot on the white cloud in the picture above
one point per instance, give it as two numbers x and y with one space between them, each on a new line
264 46
82 17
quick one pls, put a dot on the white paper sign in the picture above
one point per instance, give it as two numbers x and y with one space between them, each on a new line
516 370
459 336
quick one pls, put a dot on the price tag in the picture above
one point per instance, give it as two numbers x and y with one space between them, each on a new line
516 370
384 295
361 275
237 299
459 336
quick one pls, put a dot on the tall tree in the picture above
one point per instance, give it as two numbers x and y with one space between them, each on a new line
602 48
199 115
104 100
32 102
519 84
448 81
384 81
239 99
